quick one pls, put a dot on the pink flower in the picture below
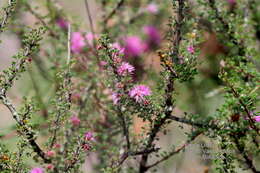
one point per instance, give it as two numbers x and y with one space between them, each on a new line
191 49
63 24
115 98
152 8
257 119
75 120
117 46
57 146
134 46
77 42
231 2
89 136
119 85
50 166
50 153
86 147
153 36
90 38
37 170
138 92
75 97
125 68
103 63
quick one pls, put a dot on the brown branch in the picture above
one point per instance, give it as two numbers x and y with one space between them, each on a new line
159 122
113 12
193 123
89 17
92 30
41 20
242 151
226 29
9 10
125 128
126 154
252 122
75 158
174 152
26 131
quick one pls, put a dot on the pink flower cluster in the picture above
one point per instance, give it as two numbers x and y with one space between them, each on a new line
63 24
115 98
89 136
231 2
152 8
191 49
37 170
75 120
257 118
78 41
125 68
153 36
134 46
50 153
138 92
117 46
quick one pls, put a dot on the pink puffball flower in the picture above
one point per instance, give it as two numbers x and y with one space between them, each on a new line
77 42
63 24
152 8
50 153
37 170
125 68
115 98
257 119
134 46
90 38
75 120
139 91
118 47
153 36
191 49
89 136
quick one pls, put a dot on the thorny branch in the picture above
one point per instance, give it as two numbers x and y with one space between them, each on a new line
9 10
169 88
41 20
9 79
25 130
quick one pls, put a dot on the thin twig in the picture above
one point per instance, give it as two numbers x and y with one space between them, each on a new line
9 10
175 151
75 158
89 17
126 154
252 122
242 151
39 17
125 128
113 12
69 51
193 123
